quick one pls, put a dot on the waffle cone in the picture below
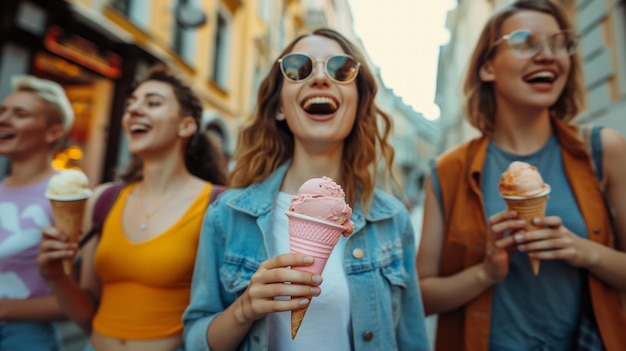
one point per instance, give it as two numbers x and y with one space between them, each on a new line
527 209
296 320
314 229
68 217
315 237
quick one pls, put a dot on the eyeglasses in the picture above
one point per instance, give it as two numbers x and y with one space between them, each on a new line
296 67
524 43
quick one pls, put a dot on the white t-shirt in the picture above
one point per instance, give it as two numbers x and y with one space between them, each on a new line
326 325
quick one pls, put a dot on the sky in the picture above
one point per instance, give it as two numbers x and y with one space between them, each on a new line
402 37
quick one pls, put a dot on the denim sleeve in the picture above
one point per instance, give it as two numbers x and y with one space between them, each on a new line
205 303
411 330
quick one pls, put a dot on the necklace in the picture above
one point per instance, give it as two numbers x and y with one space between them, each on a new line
147 214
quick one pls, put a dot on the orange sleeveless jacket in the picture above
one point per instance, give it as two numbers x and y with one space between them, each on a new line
459 172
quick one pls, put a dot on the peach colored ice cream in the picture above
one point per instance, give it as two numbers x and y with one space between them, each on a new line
525 192
323 199
521 179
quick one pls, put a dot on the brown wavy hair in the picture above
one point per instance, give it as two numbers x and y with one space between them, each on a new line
265 143
480 103
201 157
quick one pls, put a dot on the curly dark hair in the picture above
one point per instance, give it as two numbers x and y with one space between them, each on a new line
201 158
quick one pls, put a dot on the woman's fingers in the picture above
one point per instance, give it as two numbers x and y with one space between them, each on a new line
273 288
274 284
287 260
549 222
276 270
552 229
546 244
505 242
503 222
53 248
53 240
253 309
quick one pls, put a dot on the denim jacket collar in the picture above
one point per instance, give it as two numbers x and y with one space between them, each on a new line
257 200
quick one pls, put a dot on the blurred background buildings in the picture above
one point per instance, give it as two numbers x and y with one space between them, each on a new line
97 48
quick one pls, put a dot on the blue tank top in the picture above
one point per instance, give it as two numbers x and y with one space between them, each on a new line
535 312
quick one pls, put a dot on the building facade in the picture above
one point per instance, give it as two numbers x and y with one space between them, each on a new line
97 49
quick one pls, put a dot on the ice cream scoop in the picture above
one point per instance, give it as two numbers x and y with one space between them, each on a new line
324 199
318 216
70 184
521 179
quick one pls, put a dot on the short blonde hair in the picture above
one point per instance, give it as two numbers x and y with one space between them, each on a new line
52 93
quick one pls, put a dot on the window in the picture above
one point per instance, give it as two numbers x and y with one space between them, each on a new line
220 67
184 38
121 6
137 11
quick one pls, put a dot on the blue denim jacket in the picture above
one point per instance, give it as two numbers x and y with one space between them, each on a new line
385 302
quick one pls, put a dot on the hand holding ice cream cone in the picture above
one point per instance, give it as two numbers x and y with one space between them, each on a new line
524 191
68 192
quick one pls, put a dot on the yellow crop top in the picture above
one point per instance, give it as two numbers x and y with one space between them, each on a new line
146 286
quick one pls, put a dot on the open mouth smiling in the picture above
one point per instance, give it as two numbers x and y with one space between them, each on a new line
6 135
138 128
320 105
541 77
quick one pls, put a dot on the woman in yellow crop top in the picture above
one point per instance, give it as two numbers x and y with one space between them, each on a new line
135 280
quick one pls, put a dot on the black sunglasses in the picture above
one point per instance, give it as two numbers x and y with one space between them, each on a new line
297 67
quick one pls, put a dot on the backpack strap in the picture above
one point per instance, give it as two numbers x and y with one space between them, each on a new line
100 211
215 192
590 134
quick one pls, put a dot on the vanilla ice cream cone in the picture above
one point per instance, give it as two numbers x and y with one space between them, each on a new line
527 209
68 217
68 192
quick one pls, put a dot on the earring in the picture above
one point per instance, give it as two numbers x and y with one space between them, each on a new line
280 115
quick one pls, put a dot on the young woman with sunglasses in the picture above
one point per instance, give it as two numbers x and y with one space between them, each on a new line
315 117
523 88
135 277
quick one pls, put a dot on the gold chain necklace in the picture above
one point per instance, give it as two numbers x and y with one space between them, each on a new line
146 215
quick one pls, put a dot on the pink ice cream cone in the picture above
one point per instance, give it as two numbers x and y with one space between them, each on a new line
314 237
318 217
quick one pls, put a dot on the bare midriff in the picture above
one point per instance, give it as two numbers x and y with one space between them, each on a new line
105 343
